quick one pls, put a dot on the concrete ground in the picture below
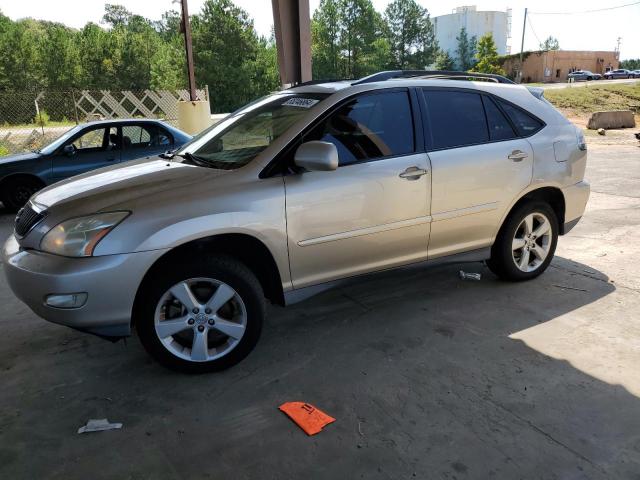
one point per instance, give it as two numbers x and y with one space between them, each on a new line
428 376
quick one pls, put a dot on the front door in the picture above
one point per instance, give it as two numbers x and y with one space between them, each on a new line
93 148
373 211
480 164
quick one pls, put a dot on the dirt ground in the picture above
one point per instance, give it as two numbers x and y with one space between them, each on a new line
428 376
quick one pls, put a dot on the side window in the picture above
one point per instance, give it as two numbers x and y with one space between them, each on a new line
371 126
525 123
499 126
91 140
136 136
163 138
456 118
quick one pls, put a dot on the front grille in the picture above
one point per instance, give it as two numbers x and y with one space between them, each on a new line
26 219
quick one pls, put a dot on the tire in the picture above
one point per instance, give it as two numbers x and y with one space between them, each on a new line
589 79
17 192
507 262
241 315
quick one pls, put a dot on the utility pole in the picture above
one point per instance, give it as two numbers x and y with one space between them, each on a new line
524 26
618 44
186 29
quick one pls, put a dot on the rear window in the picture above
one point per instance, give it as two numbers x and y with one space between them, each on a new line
499 126
525 123
456 118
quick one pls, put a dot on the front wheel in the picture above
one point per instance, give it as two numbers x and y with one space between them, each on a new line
526 242
18 192
201 317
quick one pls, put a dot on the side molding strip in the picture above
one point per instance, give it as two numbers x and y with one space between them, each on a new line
365 231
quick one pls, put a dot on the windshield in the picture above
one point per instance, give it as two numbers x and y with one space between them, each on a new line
239 138
53 146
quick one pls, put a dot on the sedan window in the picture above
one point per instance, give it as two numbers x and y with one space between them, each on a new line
91 140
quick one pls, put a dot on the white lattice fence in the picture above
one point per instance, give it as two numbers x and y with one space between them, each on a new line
131 103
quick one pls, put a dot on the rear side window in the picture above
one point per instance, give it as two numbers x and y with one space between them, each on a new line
456 118
369 127
524 123
499 126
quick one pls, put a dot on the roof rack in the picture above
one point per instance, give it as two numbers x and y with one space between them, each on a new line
447 74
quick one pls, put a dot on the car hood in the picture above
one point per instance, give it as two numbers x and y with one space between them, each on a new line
125 186
19 158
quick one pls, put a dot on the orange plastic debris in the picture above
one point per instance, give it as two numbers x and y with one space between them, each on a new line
308 417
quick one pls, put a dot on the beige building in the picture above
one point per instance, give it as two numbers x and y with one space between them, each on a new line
555 65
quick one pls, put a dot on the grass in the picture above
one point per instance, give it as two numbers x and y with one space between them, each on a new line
595 98
50 123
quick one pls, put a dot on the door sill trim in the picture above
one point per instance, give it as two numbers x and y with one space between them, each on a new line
300 294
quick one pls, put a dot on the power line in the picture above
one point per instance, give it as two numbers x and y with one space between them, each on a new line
533 30
585 11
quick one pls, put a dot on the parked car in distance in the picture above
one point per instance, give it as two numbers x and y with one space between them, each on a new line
83 148
620 73
584 75
636 73
295 192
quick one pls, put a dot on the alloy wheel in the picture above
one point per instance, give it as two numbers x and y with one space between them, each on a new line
200 319
532 242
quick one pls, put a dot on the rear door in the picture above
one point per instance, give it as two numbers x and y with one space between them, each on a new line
94 147
480 163
143 140
372 212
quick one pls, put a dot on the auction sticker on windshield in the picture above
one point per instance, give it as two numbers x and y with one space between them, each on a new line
301 102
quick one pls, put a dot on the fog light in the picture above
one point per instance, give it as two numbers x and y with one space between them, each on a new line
70 300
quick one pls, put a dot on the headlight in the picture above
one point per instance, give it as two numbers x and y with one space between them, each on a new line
78 237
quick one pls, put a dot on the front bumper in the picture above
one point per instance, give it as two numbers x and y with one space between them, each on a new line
110 282
575 198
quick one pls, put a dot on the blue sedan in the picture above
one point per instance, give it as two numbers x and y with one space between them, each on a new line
85 147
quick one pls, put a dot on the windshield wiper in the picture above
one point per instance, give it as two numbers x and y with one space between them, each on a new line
201 162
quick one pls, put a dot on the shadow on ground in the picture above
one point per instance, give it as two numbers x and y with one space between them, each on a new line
417 366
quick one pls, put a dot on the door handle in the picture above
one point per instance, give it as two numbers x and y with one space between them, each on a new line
518 155
110 159
413 173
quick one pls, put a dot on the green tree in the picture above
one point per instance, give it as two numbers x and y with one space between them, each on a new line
444 61
325 40
630 64
550 43
225 47
487 56
466 50
359 28
410 33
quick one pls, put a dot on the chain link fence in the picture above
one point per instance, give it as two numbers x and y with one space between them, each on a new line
31 120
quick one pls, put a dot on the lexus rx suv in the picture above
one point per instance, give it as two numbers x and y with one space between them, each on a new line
298 191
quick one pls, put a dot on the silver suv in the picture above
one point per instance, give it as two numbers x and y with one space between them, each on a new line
293 193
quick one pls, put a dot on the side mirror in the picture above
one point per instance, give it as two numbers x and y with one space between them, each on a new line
317 156
69 150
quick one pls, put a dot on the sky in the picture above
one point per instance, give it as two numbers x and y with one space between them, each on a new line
575 31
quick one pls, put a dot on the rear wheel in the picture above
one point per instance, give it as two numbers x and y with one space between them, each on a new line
18 192
201 317
526 243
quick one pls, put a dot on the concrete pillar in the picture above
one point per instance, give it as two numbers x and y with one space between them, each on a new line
293 40
193 117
